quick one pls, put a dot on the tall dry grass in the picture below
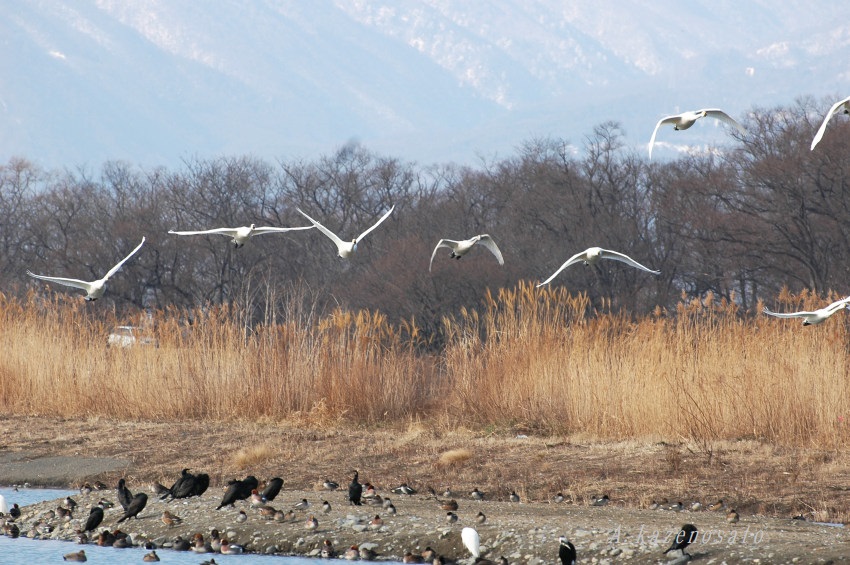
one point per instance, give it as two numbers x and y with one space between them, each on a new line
529 359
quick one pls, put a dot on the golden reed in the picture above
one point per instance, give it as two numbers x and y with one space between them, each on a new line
535 359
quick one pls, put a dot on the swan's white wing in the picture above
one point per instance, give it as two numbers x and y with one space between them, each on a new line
829 115
667 120
378 223
230 232
488 242
838 305
719 114
339 243
76 283
578 257
448 243
608 254
261 231
114 269
789 314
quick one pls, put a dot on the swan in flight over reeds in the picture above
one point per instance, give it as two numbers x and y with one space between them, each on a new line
842 106
592 255
242 234
94 289
461 248
816 317
346 248
687 119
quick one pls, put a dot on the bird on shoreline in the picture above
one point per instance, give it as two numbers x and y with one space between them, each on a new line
566 551
814 317
125 497
683 539
346 248
240 236
449 505
272 489
94 519
403 489
686 119
328 551
410 558
188 485
137 505
238 490
355 490
330 485
94 289
843 107
471 540
461 248
592 255
716 506
732 517
170 519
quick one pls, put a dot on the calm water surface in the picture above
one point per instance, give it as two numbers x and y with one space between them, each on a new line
35 552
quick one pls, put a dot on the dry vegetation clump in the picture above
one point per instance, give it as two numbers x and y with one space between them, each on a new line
529 360
454 457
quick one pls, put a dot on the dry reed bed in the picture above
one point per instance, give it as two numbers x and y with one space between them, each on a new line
530 359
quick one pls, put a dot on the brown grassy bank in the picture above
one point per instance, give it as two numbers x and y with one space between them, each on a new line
528 359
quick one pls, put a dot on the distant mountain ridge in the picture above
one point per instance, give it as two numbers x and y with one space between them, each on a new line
153 82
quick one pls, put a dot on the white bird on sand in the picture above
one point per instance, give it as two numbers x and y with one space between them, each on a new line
461 248
242 234
816 317
346 248
94 289
592 255
840 106
470 539
687 119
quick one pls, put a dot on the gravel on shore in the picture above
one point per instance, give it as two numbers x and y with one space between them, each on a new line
522 532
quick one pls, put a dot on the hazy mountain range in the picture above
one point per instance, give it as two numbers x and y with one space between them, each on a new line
156 81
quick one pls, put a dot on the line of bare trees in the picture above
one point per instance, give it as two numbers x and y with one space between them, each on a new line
764 214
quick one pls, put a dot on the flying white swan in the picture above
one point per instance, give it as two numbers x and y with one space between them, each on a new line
840 106
461 248
592 255
470 539
346 248
816 317
242 234
687 119
94 289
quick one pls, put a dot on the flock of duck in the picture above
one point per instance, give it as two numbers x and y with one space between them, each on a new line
190 485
